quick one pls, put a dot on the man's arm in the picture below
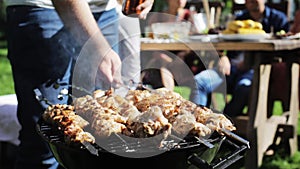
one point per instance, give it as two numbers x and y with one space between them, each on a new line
78 19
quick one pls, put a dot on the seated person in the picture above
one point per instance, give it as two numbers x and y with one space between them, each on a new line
295 28
210 79
159 68
239 78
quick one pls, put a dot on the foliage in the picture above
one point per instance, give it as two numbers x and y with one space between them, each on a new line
280 161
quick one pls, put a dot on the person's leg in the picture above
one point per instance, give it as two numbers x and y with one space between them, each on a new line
240 95
206 82
37 63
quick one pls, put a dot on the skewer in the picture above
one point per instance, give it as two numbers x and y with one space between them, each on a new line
206 143
65 92
234 136
90 147
122 89
125 143
177 138
134 85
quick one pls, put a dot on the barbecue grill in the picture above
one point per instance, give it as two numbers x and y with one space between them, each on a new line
216 152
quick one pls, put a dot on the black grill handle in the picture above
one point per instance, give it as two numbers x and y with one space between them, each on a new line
197 161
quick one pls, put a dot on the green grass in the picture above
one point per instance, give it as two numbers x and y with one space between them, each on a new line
6 80
282 162
183 91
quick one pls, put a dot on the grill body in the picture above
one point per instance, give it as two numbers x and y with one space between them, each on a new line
71 158
191 152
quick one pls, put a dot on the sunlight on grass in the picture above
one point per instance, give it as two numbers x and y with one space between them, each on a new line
281 162
3 52
277 109
6 80
183 91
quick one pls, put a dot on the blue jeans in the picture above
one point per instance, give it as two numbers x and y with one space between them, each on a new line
42 53
238 84
206 82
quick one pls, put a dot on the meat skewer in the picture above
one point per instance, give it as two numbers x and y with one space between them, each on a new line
64 117
147 113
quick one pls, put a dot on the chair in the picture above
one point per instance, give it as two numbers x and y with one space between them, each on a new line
266 132
215 8
271 131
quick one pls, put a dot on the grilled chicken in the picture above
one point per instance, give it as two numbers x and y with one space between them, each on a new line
186 123
64 117
150 123
141 113
215 121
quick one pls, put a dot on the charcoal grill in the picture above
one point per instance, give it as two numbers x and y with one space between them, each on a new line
174 155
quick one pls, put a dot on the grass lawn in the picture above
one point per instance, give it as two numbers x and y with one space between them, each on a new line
6 80
275 162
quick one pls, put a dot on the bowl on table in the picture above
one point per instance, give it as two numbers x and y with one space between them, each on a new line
178 31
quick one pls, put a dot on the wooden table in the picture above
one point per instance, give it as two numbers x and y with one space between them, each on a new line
260 130
262 45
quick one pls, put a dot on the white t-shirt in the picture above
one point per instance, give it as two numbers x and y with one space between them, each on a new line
95 5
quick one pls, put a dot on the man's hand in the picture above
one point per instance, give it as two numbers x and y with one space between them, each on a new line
224 65
109 70
145 7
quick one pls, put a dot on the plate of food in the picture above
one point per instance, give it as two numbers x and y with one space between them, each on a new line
241 30
204 37
286 35
243 37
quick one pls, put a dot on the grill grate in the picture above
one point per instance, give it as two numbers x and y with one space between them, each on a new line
195 152
120 143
